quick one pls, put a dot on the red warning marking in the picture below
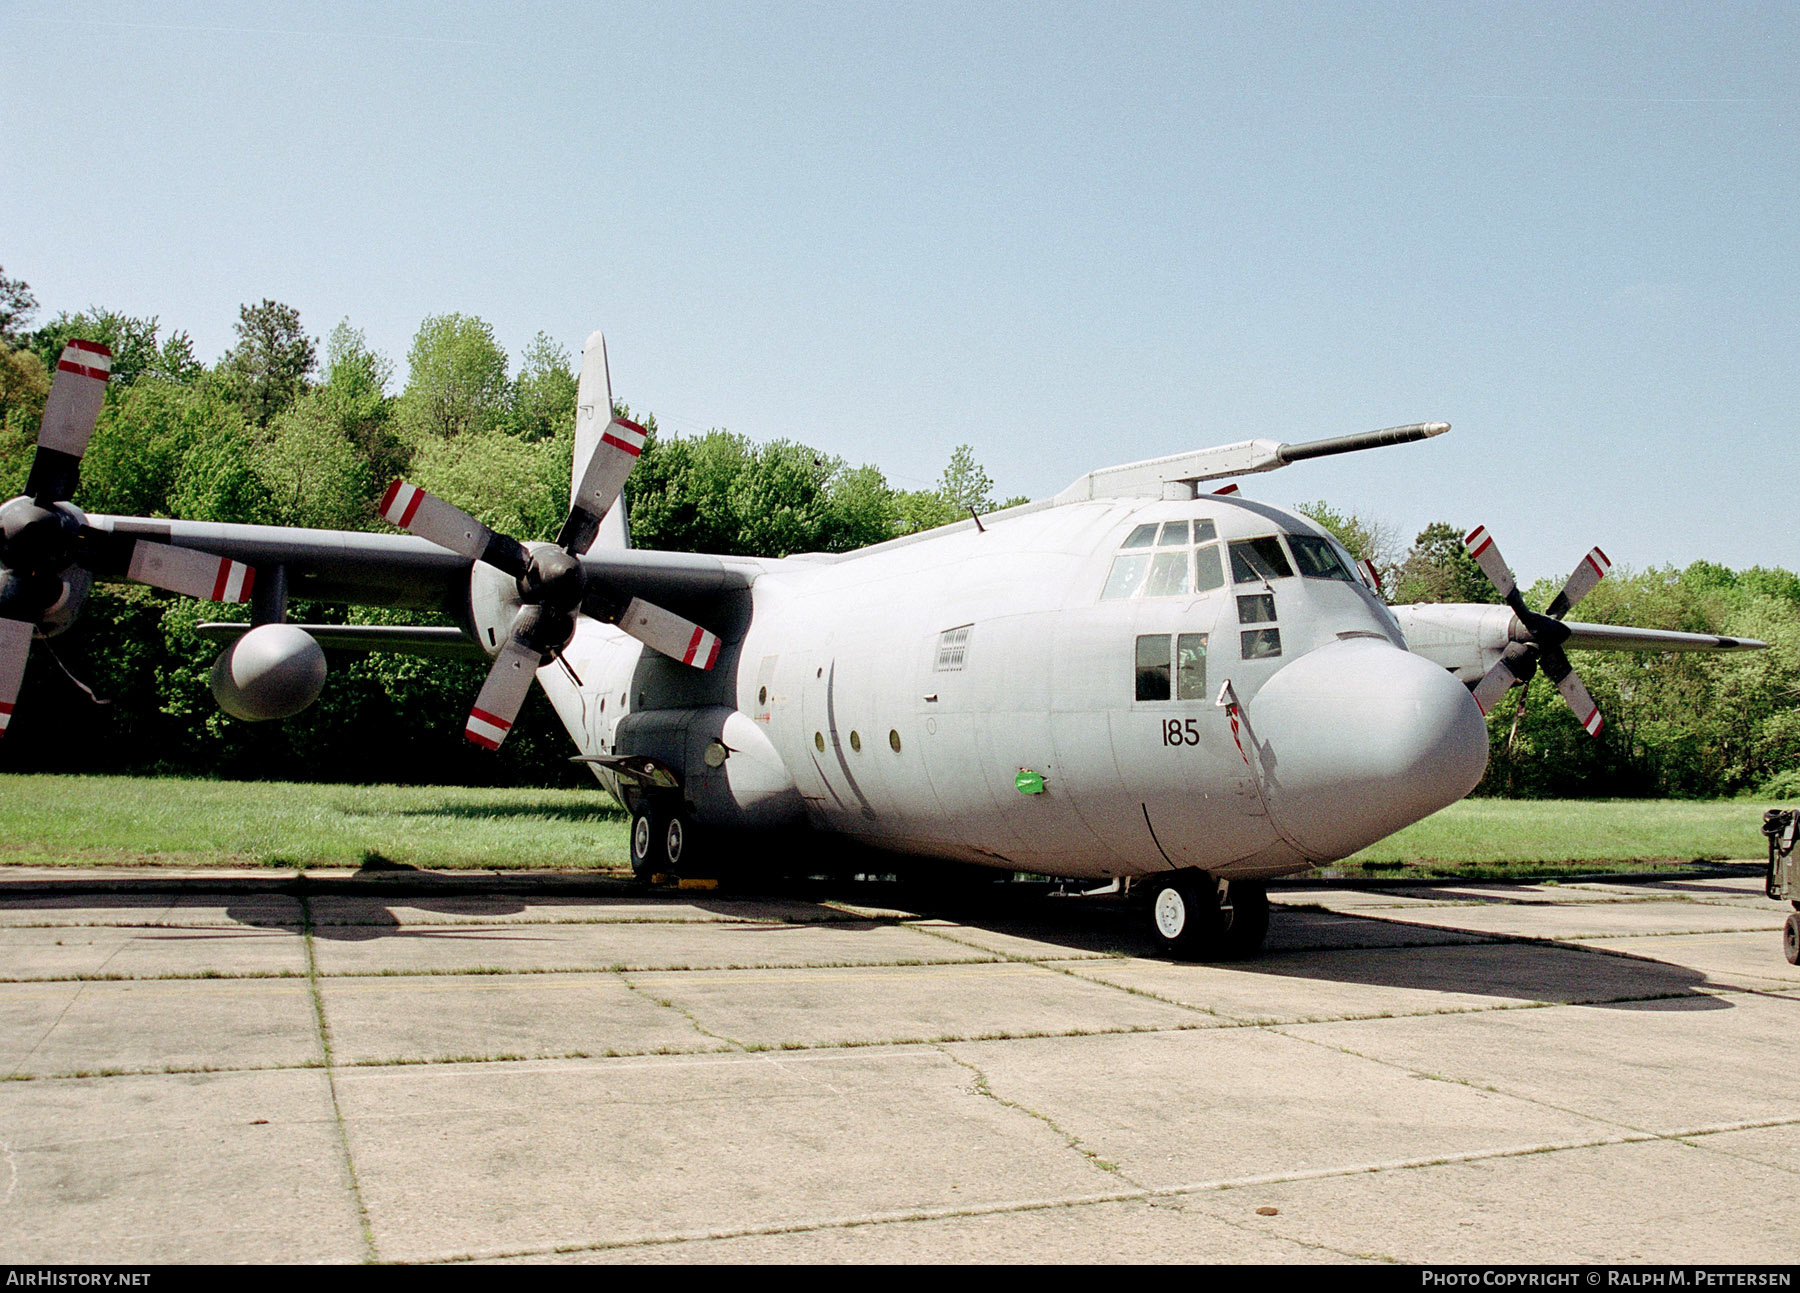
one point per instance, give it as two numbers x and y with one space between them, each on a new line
412 509
387 499
92 347
484 716
693 645
712 655
1228 489
634 450
482 739
82 370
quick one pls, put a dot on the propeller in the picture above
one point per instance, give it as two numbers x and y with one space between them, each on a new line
553 586
49 554
1544 634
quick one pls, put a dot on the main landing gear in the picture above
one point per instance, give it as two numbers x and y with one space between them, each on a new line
662 838
1199 917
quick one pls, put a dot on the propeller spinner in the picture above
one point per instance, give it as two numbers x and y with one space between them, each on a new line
1544 633
49 553
553 586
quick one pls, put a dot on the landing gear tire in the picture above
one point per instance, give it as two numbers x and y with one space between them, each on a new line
1199 917
647 841
677 840
1790 939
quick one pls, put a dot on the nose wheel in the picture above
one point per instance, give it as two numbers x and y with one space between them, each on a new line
1199 917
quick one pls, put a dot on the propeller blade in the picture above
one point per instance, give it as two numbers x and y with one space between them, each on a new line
503 694
1559 671
615 454
1494 684
669 633
15 644
70 412
194 574
1518 664
1480 545
448 526
1592 570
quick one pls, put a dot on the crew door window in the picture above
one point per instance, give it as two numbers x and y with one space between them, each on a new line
1154 674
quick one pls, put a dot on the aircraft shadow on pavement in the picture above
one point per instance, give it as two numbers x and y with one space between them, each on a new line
1377 951
1304 943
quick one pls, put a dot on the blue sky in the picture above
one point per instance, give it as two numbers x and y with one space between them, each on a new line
1067 235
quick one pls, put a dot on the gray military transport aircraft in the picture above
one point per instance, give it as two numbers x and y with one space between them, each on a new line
1133 680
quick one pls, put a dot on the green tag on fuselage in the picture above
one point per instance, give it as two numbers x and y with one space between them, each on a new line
1029 782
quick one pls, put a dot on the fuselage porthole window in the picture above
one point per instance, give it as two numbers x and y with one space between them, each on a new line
1152 667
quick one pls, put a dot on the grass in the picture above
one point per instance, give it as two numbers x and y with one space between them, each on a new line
1519 838
167 821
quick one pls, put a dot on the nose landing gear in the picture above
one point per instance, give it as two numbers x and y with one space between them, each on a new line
1199 917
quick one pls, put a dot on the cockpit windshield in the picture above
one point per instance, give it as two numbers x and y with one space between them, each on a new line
1255 561
1317 559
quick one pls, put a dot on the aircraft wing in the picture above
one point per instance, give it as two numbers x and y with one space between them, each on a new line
355 568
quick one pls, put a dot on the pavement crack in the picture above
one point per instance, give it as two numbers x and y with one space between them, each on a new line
985 1089
337 1109
668 1003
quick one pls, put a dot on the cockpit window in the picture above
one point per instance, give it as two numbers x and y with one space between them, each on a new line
1259 560
1126 576
1317 559
1209 570
1168 574
1173 569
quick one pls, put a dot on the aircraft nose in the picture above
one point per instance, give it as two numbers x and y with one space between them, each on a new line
1358 739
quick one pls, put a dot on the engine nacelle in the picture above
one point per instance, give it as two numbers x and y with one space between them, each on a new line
273 671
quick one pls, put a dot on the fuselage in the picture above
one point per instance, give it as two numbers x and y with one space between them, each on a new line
1115 687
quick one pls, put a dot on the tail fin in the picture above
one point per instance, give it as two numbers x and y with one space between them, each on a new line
593 410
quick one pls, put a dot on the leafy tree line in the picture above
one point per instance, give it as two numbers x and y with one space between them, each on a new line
284 430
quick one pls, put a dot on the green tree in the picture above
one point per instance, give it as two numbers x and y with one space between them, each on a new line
354 396
24 385
964 485
311 470
456 380
543 393
268 368
1437 568
136 352
17 305
143 441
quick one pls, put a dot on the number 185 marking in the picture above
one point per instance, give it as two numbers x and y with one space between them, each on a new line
1177 731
